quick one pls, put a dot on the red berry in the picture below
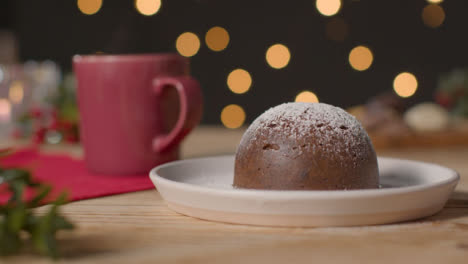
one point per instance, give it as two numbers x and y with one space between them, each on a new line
35 112
39 135
71 138
54 124
444 100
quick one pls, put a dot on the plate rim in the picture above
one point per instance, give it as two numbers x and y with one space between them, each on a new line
301 194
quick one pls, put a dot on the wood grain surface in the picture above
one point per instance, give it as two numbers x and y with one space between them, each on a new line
139 228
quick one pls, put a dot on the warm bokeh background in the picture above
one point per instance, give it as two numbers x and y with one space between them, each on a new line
256 54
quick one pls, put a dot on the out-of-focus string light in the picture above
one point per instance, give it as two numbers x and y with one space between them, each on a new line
278 56
217 38
337 29
328 7
307 97
433 15
239 81
89 7
5 110
16 92
187 44
147 7
360 58
405 84
233 116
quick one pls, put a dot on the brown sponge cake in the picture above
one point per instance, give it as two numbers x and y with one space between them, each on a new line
306 146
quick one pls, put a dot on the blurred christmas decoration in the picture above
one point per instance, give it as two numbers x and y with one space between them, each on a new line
427 117
452 92
382 115
391 123
54 119
22 87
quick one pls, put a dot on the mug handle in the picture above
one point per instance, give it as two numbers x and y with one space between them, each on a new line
190 111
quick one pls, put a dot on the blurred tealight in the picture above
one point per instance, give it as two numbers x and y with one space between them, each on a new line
433 15
217 38
16 92
147 7
5 110
405 84
278 56
239 81
360 58
89 7
306 97
188 44
328 7
233 116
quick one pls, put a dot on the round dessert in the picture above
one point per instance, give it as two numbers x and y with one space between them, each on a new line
306 146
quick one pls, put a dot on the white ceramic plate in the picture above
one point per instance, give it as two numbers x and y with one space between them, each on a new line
202 188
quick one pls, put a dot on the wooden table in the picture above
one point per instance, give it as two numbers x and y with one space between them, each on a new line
139 228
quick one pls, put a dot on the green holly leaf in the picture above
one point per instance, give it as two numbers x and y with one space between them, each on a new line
10 242
16 218
42 193
16 215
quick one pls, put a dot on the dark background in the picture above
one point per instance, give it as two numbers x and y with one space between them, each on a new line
393 30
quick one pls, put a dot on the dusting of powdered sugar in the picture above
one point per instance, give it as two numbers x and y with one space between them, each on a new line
332 129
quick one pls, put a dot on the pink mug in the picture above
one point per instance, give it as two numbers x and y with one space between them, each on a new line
130 117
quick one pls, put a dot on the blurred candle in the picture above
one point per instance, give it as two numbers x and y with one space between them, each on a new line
89 7
433 15
16 92
239 81
278 56
217 38
5 110
148 7
405 84
188 44
233 116
328 7
360 58
306 97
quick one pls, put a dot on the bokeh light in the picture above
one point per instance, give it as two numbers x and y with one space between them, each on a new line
217 38
337 29
328 7
405 84
360 58
233 116
147 7
5 110
433 15
278 56
89 7
435 1
307 97
187 44
239 81
16 92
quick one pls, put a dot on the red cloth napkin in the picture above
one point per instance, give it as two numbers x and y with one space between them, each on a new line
65 173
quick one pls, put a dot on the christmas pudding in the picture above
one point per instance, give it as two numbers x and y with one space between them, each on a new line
306 146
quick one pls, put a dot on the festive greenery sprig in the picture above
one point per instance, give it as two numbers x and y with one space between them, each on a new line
18 219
